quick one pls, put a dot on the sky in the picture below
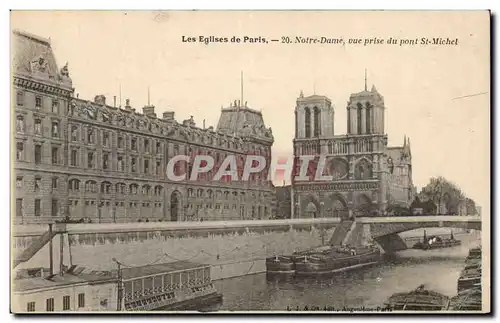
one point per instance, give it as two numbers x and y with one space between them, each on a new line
421 85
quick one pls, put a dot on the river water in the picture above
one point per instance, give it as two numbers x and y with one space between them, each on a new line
368 287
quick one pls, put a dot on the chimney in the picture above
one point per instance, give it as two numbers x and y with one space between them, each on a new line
127 105
168 115
149 111
100 99
114 101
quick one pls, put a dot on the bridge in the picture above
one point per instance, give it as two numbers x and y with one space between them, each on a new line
385 230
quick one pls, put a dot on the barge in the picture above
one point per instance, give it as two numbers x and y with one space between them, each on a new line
334 260
467 300
172 286
419 299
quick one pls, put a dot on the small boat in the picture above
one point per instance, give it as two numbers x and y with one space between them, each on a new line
467 300
335 259
436 242
474 255
419 299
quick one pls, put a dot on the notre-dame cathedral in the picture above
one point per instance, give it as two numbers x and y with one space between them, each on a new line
369 178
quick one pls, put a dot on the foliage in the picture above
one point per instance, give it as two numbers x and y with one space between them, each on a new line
443 192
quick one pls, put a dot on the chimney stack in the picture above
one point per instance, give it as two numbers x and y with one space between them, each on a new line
168 115
127 105
114 101
149 111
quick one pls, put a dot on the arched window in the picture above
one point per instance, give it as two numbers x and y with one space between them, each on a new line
146 189
317 122
158 190
120 188
105 187
190 192
368 117
91 186
74 185
358 121
210 194
307 113
133 188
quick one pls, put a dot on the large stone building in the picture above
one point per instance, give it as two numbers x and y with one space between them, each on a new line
368 176
95 161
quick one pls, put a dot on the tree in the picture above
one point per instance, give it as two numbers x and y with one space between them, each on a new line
441 191
470 206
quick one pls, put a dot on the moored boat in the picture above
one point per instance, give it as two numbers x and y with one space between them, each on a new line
335 259
419 299
436 242
469 278
467 300
281 265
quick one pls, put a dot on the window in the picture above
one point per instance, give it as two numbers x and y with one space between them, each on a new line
158 147
120 188
105 138
158 167
308 122
146 145
74 185
81 300
120 164
55 106
54 183
38 102
133 188
38 154
74 133
146 189
317 122
133 164
20 98
90 136
38 127
19 207
133 144
50 305
106 187
19 151
91 186
38 183
90 160
55 155
30 307
19 182
74 157
37 207
120 142
146 166
20 124
54 207
55 129
66 302
105 161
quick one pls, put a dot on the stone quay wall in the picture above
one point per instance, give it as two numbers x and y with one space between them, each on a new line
233 248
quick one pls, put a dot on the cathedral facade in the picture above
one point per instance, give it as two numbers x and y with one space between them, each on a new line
96 161
367 176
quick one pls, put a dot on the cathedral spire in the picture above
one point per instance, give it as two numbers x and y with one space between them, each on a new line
366 82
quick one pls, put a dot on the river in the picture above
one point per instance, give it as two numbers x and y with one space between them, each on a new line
368 287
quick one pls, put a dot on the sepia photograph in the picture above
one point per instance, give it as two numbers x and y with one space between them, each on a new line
288 162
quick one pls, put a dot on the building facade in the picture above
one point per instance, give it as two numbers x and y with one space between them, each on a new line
102 163
368 176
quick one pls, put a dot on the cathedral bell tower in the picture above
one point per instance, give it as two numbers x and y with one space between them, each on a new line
365 112
314 117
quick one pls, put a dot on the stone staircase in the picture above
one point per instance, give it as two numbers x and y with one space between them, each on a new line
341 232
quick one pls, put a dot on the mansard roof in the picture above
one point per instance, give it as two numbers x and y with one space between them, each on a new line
239 120
32 57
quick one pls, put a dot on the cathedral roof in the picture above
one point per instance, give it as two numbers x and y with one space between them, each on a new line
313 98
33 57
